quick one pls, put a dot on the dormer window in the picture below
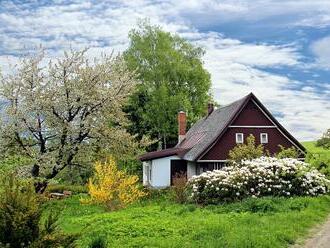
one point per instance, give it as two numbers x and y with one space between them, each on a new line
264 138
239 138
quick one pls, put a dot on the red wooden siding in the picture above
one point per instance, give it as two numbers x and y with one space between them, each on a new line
251 115
221 149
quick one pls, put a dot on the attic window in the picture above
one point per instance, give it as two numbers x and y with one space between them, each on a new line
263 138
239 138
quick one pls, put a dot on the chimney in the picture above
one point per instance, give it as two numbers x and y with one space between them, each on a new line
210 108
182 122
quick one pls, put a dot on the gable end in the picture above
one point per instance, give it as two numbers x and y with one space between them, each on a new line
253 115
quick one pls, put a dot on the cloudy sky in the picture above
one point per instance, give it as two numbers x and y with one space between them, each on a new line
280 50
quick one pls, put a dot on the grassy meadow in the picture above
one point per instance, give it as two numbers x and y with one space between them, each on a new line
159 222
312 148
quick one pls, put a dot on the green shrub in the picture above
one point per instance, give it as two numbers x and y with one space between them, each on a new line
246 151
98 242
75 189
19 212
157 195
290 152
20 215
320 161
264 206
52 236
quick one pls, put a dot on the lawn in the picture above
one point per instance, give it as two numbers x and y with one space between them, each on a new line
267 222
312 148
159 222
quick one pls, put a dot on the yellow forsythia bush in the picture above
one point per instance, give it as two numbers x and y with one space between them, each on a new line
113 187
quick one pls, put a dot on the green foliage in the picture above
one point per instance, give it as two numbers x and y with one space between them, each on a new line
318 157
172 79
290 152
265 205
265 223
75 189
20 215
98 242
75 174
321 163
19 212
246 151
9 163
324 141
52 236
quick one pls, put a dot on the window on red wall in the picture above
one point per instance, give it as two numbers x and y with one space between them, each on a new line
239 138
264 138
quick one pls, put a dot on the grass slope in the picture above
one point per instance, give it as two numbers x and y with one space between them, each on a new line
312 148
267 222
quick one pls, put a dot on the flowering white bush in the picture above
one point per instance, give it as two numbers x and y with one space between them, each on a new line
258 177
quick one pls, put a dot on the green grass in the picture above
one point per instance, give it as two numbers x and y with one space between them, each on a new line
267 222
312 148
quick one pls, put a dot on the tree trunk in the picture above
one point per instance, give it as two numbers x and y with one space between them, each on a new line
35 170
40 186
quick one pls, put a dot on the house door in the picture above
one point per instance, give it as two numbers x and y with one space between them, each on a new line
178 167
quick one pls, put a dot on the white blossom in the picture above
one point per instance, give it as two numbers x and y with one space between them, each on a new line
262 176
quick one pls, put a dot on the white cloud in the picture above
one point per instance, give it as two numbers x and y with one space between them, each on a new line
287 13
237 68
304 110
321 49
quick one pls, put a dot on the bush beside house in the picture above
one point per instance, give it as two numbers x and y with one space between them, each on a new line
263 176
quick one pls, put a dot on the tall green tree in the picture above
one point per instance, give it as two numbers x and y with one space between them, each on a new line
172 79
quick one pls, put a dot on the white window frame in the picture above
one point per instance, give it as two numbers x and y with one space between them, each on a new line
237 135
218 166
150 173
261 138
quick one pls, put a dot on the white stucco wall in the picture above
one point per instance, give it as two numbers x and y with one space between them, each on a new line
160 172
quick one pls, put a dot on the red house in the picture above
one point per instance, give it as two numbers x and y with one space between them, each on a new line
207 143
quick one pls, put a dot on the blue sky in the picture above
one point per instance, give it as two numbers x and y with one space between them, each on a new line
280 50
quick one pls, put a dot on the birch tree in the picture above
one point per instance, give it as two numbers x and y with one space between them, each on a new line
173 78
64 113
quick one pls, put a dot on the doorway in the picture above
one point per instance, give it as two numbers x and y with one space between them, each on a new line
178 167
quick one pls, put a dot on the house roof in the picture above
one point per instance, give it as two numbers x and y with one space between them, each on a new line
208 130
164 153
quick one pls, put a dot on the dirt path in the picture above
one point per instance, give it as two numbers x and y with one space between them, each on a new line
320 237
